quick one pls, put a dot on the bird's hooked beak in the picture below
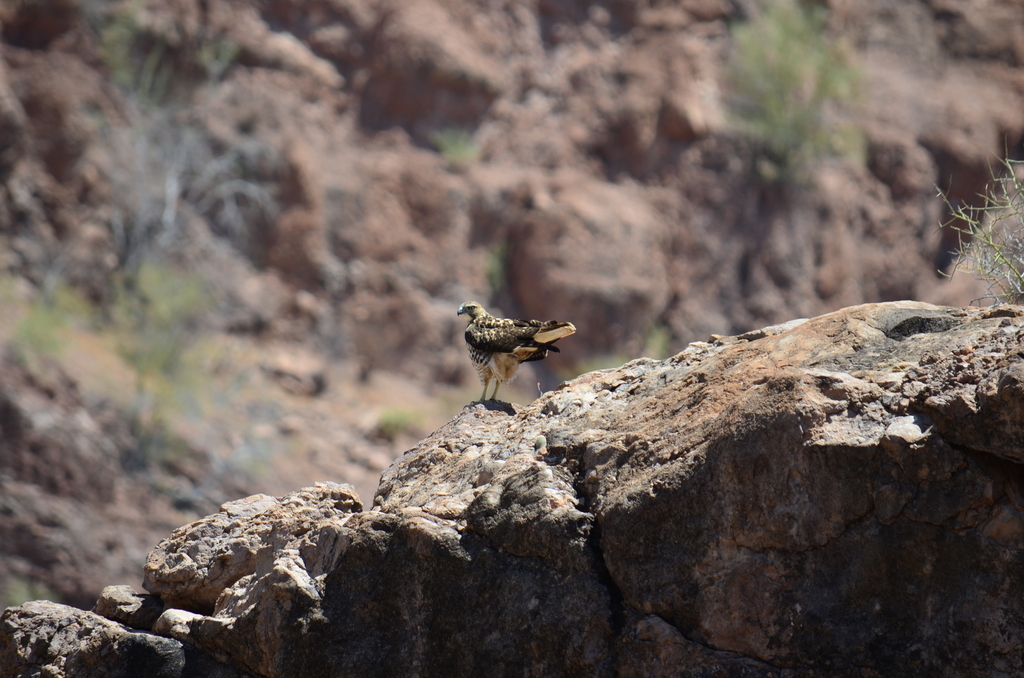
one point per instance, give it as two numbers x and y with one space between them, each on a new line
462 310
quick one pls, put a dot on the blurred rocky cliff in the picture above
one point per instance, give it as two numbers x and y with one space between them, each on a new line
839 496
233 234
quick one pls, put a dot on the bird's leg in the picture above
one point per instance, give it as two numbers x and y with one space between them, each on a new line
484 394
494 396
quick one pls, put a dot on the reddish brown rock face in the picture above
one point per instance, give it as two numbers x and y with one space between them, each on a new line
291 160
607 183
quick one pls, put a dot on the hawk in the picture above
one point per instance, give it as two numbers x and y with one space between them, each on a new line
498 345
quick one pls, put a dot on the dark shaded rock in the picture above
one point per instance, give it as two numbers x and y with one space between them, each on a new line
44 638
35 25
909 324
650 647
530 514
421 574
815 519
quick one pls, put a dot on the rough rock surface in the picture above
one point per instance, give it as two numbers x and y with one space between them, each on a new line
241 544
839 496
42 638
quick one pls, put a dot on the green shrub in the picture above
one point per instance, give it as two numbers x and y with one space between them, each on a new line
216 56
142 62
154 312
788 81
20 590
495 266
40 328
456 146
396 421
992 235
153 324
658 342
136 64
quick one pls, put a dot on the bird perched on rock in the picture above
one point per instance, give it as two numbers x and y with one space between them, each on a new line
497 346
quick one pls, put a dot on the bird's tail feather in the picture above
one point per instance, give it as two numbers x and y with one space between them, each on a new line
554 333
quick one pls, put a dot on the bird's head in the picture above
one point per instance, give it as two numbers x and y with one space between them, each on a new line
473 310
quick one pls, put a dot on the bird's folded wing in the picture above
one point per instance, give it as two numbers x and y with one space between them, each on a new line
493 338
500 335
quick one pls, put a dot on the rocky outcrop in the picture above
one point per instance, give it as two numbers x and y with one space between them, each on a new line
839 496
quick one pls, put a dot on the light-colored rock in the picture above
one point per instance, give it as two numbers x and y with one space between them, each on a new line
195 565
174 623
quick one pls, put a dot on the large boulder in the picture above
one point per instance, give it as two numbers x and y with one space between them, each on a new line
837 496
276 581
